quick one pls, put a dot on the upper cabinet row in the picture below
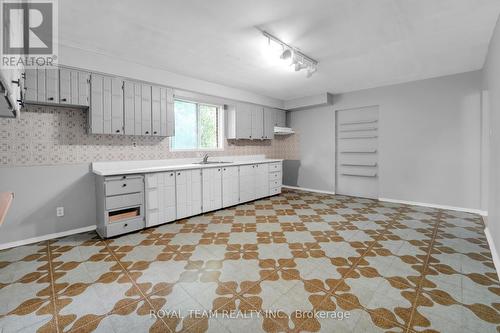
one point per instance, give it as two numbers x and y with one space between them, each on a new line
116 106
130 107
254 122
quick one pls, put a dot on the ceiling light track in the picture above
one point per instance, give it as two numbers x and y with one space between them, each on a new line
293 56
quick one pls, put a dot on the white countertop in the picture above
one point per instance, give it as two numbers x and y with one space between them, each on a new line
145 166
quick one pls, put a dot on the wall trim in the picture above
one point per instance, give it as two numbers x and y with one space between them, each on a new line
415 203
494 253
307 189
46 237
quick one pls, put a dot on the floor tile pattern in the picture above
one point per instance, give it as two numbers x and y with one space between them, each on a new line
297 262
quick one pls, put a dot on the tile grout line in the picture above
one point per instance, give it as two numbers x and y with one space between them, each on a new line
54 296
146 299
422 275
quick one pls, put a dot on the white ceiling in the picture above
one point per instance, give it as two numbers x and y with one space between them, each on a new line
358 43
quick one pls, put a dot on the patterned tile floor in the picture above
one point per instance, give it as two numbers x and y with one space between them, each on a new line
291 263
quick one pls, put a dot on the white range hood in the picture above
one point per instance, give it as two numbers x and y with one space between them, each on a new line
283 130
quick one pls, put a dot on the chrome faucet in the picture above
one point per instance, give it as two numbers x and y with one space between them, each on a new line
205 158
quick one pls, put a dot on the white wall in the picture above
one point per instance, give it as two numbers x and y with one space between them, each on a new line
492 84
429 140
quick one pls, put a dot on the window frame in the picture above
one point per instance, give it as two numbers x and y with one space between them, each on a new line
220 127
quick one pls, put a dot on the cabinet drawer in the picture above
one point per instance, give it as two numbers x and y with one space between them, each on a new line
274 183
275 176
274 191
273 167
124 186
119 201
119 228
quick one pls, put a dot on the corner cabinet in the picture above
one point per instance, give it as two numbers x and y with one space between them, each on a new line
251 122
128 107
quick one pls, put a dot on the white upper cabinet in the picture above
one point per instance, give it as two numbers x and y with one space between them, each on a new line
146 109
269 121
155 111
74 87
247 121
129 107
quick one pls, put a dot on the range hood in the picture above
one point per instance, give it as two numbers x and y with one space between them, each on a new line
283 130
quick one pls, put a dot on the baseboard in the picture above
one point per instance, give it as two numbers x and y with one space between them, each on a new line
493 249
414 203
46 237
307 189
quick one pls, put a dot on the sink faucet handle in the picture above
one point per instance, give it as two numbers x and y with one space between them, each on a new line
205 158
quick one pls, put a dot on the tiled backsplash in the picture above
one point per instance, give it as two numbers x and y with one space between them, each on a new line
56 135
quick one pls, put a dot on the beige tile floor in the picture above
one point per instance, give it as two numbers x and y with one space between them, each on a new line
297 262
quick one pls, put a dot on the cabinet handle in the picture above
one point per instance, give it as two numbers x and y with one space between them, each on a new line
125 225
63 99
171 174
124 185
224 169
218 169
147 132
50 98
154 132
250 136
117 131
178 173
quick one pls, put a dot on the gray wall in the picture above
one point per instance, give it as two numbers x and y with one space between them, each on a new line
429 140
38 191
492 83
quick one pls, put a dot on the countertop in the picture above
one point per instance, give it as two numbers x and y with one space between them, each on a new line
131 167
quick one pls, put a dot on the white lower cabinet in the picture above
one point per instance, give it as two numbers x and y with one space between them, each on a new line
188 193
160 198
212 189
230 186
261 180
247 183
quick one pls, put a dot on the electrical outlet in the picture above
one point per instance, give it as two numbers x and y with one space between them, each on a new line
60 211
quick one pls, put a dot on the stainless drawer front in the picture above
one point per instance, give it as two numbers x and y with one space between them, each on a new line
124 186
126 200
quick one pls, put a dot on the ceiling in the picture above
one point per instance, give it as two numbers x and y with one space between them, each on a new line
358 43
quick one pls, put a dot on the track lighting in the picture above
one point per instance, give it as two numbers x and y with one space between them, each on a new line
292 56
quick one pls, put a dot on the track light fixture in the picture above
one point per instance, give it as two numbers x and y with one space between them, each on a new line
292 56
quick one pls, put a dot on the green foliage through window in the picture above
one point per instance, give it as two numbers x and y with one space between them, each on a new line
196 126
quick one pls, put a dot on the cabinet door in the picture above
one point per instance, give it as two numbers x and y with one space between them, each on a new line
281 118
196 192
257 122
168 197
30 85
96 116
82 97
230 186
65 86
128 107
212 189
117 105
138 108
41 86
261 180
269 118
247 183
52 85
163 111
74 87
243 121
182 188
146 109
170 112
155 111
106 102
